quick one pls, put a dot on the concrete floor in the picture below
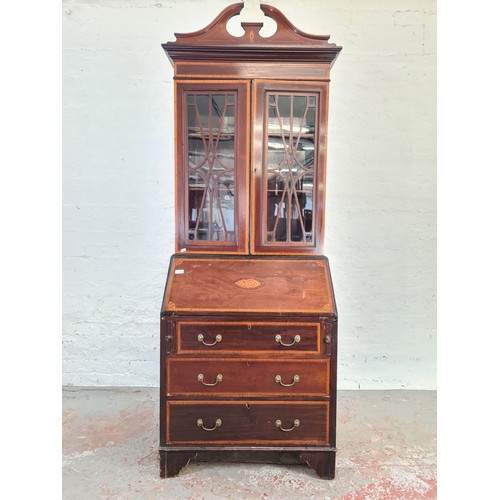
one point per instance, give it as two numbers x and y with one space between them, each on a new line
386 442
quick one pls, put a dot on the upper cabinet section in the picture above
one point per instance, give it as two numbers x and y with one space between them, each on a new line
251 130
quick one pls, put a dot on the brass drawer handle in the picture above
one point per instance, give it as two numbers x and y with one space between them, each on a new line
296 340
218 338
296 378
217 380
218 423
296 423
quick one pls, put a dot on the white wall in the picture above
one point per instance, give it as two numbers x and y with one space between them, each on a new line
118 217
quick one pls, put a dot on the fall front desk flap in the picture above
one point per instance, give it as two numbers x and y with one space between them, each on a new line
248 284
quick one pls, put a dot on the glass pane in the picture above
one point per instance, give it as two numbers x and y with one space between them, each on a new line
196 152
273 126
299 109
290 168
193 125
228 121
284 108
210 166
217 111
201 108
224 156
310 122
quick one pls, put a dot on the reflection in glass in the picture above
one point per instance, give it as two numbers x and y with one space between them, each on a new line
291 126
210 166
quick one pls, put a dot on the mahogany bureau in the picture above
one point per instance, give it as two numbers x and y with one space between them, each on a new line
248 320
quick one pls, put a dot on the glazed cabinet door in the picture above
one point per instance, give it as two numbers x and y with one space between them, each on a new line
288 178
212 135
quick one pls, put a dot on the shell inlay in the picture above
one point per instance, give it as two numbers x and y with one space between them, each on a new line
248 283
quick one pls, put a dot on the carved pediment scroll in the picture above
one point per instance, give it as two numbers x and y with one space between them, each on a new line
288 42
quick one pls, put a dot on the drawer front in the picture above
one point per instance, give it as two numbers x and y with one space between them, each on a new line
248 376
204 422
220 337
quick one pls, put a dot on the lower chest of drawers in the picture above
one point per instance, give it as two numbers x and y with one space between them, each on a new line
247 384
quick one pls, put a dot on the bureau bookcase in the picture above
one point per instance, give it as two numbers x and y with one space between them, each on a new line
248 319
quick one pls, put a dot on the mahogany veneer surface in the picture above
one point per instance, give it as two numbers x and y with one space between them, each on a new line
240 376
247 422
249 285
276 337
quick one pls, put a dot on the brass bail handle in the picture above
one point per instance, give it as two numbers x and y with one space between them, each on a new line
279 424
218 423
201 338
295 340
296 378
218 379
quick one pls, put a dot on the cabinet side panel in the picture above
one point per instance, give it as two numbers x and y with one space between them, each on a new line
332 328
165 333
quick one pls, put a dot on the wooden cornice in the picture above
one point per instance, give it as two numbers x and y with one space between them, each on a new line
287 44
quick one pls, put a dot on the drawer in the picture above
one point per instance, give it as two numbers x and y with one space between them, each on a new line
252 422
248 376
220 337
